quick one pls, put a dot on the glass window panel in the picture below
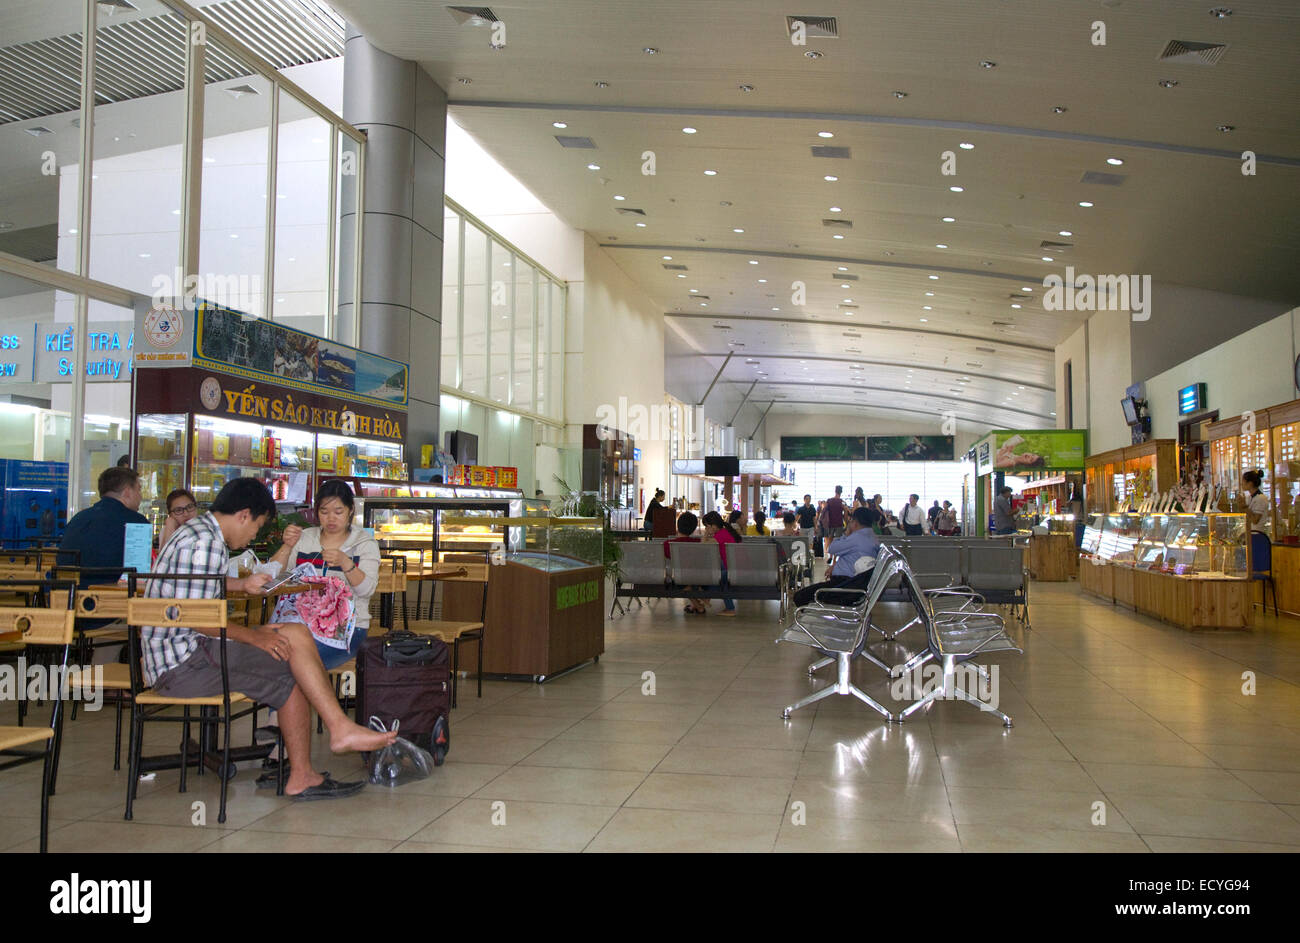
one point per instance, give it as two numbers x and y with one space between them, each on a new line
40 172
232 241
521 380
301 217
542 333
450 298
556 351
475 292
500 334
136 182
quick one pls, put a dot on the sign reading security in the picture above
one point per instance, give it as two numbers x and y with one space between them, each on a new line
237 399
45 352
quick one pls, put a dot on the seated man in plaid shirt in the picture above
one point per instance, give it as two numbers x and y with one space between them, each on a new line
277 665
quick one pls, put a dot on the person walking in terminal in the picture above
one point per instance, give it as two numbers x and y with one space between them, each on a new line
855 558
1004 518
807 514
275 664
913 517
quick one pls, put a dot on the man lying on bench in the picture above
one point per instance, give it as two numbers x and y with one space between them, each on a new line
855 557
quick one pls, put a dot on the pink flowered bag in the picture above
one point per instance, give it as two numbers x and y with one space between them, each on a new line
329 613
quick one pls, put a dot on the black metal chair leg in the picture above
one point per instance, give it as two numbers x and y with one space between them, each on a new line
284 761
224 772
133 751
46 786
185 749
480 663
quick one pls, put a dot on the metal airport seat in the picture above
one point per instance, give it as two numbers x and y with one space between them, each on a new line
996 571
696 564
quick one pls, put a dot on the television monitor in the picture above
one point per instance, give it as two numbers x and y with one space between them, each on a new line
1130 411
721 465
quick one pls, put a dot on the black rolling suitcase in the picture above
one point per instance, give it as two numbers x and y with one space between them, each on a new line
407 677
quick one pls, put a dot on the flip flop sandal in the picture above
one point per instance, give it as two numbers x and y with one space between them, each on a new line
329 789
267 779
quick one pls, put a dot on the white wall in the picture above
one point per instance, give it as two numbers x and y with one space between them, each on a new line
1251 371
614 347
1074 350
1101 355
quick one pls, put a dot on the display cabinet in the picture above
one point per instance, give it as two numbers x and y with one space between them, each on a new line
1286 483
161 455
1120 479
1188 569
449 519
1053 556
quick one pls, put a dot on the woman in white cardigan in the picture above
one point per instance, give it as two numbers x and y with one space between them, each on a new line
339 549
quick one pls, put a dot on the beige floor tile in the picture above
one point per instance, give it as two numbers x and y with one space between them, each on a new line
1275 787
702 793
973 770
1103 749
1251 757
859 836
117 837
626 731
536 707
1177 844
510 726
439 848
861 799
247 842
658 830
1026 808
919 766
1207 818
546 826
605 787
731 761
1000 839
649 710
494 751
1186 782
776 736
598 754
375 813
455 779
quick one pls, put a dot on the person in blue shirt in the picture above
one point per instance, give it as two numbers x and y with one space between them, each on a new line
99 532
855 557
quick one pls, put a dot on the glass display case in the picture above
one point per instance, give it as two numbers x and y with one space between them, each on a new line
547 563
1286 483
360 458
445 519
225 449
1204 546
160 459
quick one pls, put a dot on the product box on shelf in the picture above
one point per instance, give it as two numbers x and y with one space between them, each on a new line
273 451
220 447
507 477
325 460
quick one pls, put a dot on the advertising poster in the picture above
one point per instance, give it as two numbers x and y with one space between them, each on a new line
823 448
909 448
1061 449
164 334
257 349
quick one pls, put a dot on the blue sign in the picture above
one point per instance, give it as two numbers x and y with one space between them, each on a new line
1191 398
636 455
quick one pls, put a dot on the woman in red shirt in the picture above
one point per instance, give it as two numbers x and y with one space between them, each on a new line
723 533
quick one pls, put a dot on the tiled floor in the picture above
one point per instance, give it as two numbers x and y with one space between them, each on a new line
1129 736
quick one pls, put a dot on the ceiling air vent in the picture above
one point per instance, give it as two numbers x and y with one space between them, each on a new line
838 223
856 366
38 131
1106 180
1058 246
1013 296
1182 50
568 140
844 277
473 16
826 150
239 91
856 336
720 327
984 350
754 362
1002 324
970 364
848 307
815 27
675 268
629 211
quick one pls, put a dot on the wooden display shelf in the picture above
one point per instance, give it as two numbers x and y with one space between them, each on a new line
1182 601
1053 558
538 624
1286 574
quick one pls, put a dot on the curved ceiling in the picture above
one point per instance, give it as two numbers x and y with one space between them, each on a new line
931 300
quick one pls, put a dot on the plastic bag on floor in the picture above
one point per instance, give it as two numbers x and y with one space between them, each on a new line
400 762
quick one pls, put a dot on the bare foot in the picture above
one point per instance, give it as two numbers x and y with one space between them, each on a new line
358 739
298 782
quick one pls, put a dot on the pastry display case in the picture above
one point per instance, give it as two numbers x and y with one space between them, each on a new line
445 519
1092 534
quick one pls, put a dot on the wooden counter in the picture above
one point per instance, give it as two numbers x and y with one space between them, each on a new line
1053 558
537 623
1184 602
1286 574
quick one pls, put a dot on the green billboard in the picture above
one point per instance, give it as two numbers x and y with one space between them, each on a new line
909 448
821 448
1058 449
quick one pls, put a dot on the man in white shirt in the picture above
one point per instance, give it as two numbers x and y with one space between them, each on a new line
913 517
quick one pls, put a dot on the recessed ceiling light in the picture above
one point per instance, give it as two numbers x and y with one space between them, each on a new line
848 301
176 212
966 146
602 84
830 179
1085 204
745 88
619 196
988 64
776 309
929 294
650 50
1048 258
593 166
688 130
1114 161
934 278
694 289
813 54
144 255
1059 110
704 304
1015 306
842 268
762 281
1025 288
753 261
949 219
464 81
845 285
234 235
640 225
900 95
558 124
680 275
940 245
925 320
666 258
927 307
1225 128
710 173
837 236
825 134
957 189
1065 232
1218 13
738 230
836 209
